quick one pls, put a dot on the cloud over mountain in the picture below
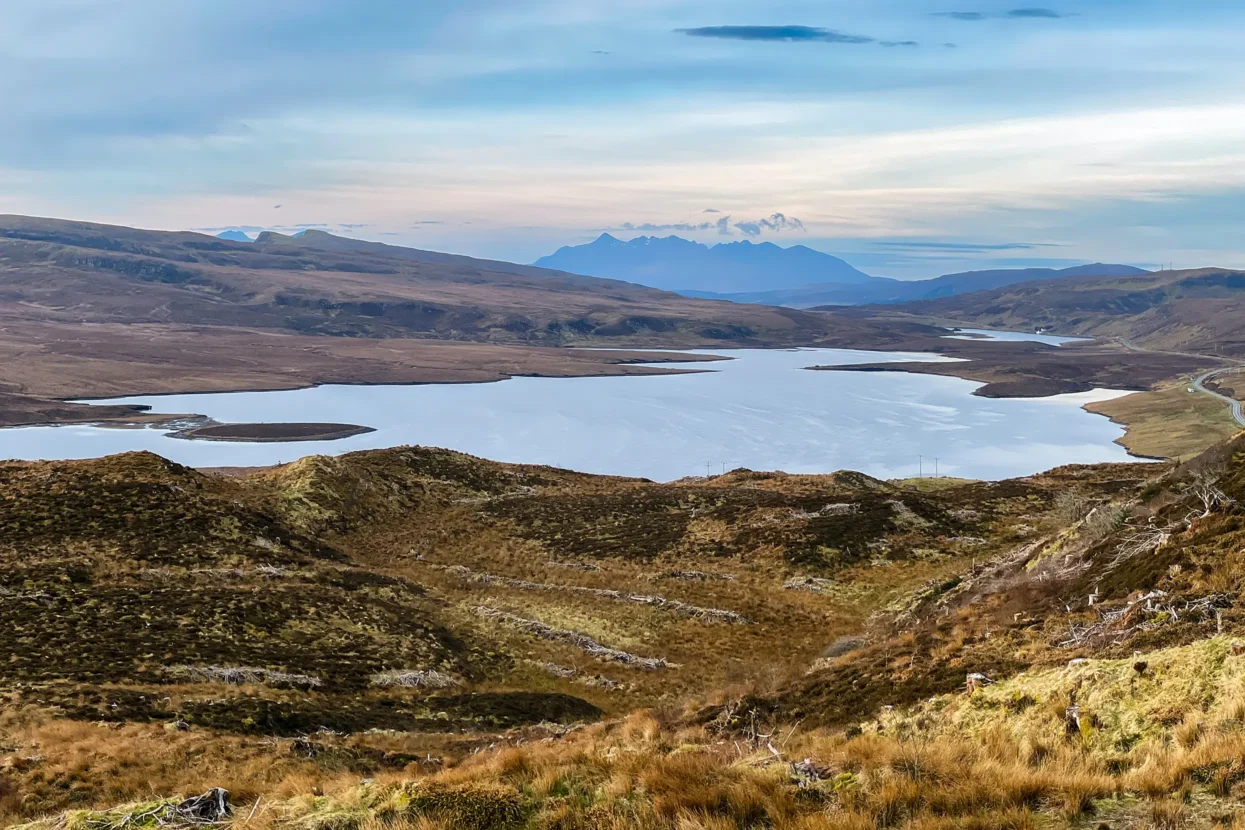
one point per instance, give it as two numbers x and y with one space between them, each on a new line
722 225
774 223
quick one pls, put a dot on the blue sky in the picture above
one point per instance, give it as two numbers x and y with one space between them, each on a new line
912 137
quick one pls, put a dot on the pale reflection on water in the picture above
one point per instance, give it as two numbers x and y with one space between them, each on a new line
762 410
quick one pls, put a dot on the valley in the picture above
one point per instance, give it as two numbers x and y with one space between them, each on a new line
621 416
96 311
413 636
459 634
443 596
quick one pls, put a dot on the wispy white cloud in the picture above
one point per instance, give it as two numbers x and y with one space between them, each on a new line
498 119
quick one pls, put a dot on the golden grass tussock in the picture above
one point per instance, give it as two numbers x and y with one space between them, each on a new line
641 775
647 771
1119 706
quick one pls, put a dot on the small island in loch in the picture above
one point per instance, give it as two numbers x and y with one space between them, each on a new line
272 432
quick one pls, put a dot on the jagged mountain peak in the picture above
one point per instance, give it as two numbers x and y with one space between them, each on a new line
675 263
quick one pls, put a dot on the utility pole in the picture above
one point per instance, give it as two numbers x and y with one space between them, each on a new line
935 468
920 466
708 468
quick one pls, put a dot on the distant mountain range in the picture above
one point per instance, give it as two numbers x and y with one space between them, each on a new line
234 236
767 274
315 283
880 290
677 264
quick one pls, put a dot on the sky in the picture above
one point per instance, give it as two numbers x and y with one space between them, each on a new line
911 137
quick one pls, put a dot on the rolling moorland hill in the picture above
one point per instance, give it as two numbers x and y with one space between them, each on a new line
880 290
100 311
1154 333
501 646
1201 310
59 271
95 311
677 264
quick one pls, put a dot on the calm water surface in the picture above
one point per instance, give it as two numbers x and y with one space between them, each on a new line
762 410
986 334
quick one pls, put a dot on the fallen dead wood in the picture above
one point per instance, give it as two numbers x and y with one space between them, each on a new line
1144 613
573 566
578 639
242 675
812 584
569 673
212 809
674 605
425 679
1146 541
691 576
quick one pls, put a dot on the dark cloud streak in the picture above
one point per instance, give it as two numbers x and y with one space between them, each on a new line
965 247
779 34
1047 14
1014 14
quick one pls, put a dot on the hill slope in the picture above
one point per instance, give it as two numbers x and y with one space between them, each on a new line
396 545
98 310
1198 311
880 290
321 284
1091 612
677 264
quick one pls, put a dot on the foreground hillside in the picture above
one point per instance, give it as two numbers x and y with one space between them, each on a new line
489 645
326 574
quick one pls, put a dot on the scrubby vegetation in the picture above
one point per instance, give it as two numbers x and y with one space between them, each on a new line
418 638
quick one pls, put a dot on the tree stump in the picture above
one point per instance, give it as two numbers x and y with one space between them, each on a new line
975 681
210 808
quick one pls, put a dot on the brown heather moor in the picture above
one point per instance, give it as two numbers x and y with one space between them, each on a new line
310 638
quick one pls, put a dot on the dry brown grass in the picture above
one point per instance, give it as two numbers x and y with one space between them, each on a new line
49 764
1171 422
648 772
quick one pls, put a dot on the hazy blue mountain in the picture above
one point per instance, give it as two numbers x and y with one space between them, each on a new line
678 264
234 236
885 291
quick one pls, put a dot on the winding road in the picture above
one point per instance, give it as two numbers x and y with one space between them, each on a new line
1199 385
1199 382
